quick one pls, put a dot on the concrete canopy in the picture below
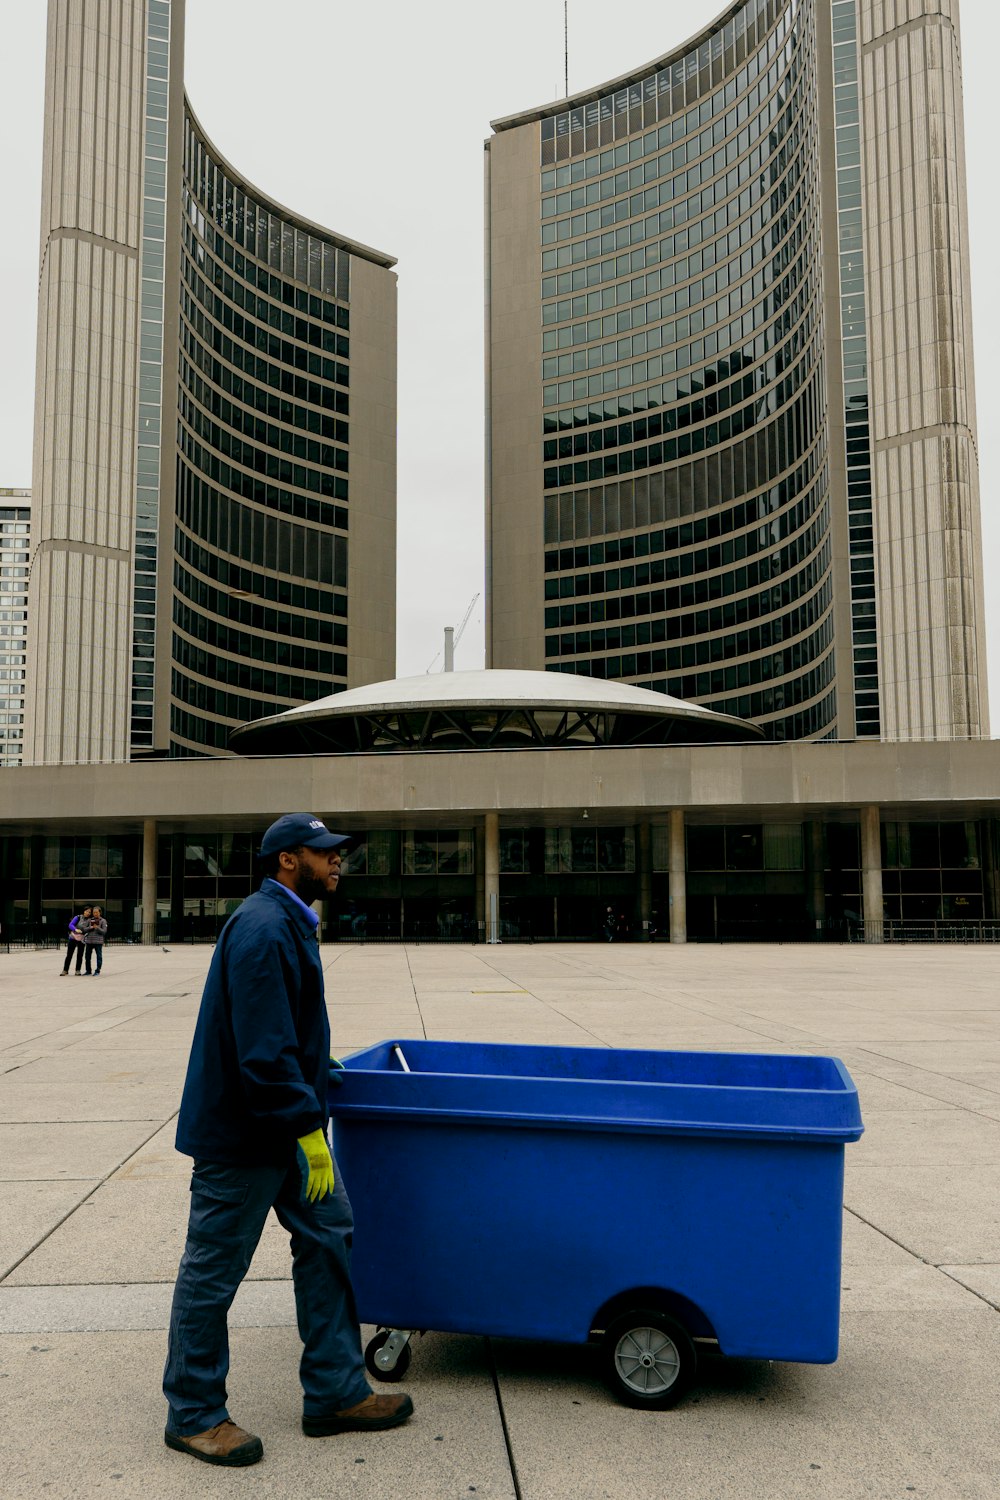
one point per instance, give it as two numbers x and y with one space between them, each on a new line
489 709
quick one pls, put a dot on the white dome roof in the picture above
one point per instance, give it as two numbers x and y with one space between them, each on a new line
493 688
489 709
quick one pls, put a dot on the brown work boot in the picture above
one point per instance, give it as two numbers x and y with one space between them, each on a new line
225 1443
370 1415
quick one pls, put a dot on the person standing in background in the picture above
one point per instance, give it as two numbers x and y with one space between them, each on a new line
93 938
75 942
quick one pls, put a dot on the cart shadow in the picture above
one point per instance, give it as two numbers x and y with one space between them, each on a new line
575 1365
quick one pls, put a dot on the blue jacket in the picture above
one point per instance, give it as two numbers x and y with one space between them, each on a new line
257 1075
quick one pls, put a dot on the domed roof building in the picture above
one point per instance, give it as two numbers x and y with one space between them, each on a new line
487 710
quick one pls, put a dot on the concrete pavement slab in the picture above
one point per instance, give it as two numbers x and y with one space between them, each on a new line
31 1211
883 1422
984 1280
940 1137
99 1242
40 1153
947 1216
100 1393
921 1186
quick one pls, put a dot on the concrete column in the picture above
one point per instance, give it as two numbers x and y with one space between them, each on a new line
480 861
871 873
987 858
678 878
491 876
815 868
149 880
644 859
35 867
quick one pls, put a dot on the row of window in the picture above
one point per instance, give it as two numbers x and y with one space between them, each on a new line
738 580
853 334
727 170
207 734
274 649
755 379
706 687
639 156
734 162
202 271
265 461
696 318
313 623
231 575
272 239
238 482
697 653
259 681
728 210
266 540
283 356
241 288
727 616
273 378
939 854
669 550
757 316
232 708
710 244
786 436
259 336
774 261
742 39
584 387
748 672
726 475
722 476
715 402
241 418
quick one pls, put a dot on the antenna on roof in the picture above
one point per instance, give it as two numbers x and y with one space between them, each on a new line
566 45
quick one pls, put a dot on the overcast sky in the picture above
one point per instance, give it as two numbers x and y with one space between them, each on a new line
371 119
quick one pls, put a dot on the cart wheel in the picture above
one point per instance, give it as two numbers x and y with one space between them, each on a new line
398 1370
649 1359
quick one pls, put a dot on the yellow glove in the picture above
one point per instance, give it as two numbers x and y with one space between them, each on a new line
316 1165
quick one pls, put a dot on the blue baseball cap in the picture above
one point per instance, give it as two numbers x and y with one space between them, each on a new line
296 829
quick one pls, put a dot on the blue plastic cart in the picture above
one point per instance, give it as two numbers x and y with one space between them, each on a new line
649 1200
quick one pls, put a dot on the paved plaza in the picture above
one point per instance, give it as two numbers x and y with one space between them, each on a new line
93 1203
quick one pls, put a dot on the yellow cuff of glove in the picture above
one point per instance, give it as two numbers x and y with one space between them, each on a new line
317 1165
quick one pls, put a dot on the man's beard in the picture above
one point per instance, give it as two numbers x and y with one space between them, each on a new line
312 888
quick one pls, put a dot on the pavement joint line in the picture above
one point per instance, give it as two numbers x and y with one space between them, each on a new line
416 996
933 1072
548 1004
931 1265
87 1196
59 1031
508 1444
965 1286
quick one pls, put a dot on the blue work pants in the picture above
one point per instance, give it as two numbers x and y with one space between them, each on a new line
228 1208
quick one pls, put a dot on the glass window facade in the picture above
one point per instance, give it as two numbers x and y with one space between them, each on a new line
261 533
15 557
851 260
684 429
151 335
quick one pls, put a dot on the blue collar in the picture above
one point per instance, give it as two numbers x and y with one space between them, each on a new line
287 891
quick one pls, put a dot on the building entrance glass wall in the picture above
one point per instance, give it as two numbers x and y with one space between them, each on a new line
797 881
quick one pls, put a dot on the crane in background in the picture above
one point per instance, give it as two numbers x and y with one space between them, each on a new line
452 636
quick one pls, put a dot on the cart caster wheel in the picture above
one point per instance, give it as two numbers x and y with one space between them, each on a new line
398 1368
649 1359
